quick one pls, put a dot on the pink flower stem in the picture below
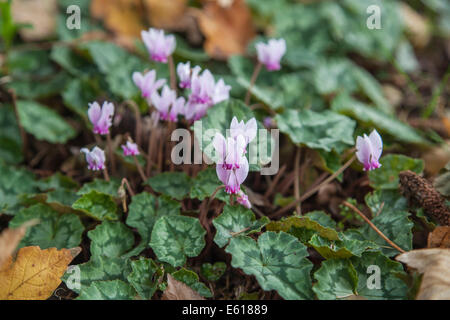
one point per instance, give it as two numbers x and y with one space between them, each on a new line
137 114
173 80
139 168
111 154
105 174
252 82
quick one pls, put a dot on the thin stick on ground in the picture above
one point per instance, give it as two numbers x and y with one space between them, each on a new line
315 189
381 234
252 82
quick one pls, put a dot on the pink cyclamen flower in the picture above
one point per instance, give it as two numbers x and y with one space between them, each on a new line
270 54
130 149
247 130
95 158
232 166
242 198
158 44
206 91
101 117
147 82
178 107
163 102
184 74
369 149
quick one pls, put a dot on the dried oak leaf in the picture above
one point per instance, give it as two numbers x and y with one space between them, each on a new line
166 14
227 29
177 290
433 263
40 14
439 238
420 191
10 238
123 17
35 273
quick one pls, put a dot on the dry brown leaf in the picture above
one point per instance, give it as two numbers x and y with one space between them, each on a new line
10 238
123 17
35 273
40 14
446 122
227 29
416 26
439 238
166 14
434 264
177 290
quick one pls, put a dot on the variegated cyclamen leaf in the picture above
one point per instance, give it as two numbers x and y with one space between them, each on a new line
277 260
111 239
175 238
108 290
236 219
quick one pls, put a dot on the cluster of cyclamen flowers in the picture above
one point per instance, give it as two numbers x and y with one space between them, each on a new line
101 119
232 165
205 91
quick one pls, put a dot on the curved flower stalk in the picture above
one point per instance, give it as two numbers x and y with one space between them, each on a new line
369 149
101 117
95 158
159 45
147 82
270 54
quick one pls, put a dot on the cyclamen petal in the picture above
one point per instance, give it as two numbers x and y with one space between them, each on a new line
178 107
163 102
205 92
242 199
146 82
130 149
184 74
159 46
95 158
101 118
270 54
369 149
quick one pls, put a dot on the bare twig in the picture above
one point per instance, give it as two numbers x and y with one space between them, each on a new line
252 82
315 189
381 234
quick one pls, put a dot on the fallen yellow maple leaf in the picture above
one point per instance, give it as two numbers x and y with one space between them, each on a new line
10 238
35 273
433 263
